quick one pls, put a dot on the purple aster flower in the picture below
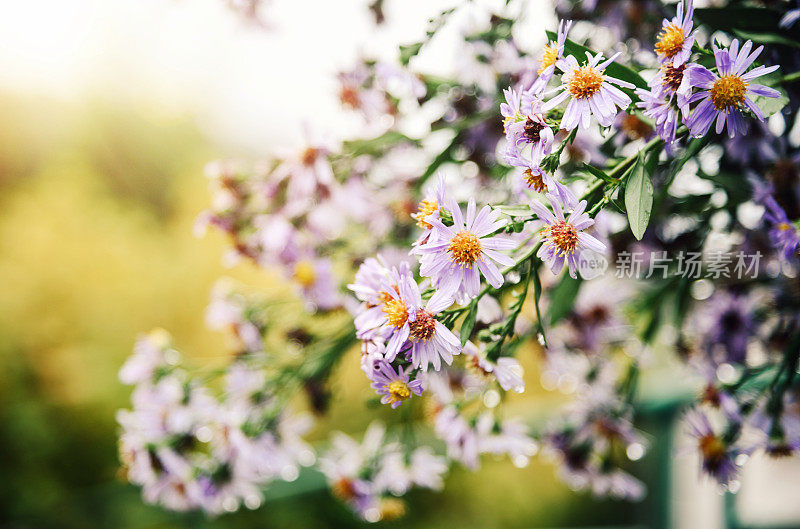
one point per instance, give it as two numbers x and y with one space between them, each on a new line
415 329
463 251
784 234
534 178
758 147
563 237
148 355
357 94
669 93
393 385
674 44
429 208
728 326
778 435
509 437
307 175
712 394
592 92
317 283
718 456
373 283
597 318
553 51
506 369
460 438
525 124
725 94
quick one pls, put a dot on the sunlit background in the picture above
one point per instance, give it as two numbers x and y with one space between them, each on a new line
110 109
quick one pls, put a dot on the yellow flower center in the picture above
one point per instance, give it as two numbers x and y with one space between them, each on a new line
465 248
304 273
670 40
392 508
398 391
344 489
712 448
783 226
534 181
309 156
549 58
585 82
475 363
728 92
564 236
348 96
396 312
425 208
423 327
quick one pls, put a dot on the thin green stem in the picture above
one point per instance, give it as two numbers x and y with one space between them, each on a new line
789 78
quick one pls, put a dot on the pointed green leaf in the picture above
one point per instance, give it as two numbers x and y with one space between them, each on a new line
522 210
469 322
639 197
594 171
562 298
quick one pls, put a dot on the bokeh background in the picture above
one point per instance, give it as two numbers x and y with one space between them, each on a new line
109 111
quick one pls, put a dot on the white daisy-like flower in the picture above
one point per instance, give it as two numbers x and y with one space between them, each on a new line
590 92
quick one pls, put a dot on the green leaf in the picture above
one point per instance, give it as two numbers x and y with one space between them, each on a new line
772 105
614 69
594 171
753 20
766 38
639 198
377 145
469 322
522 210
443 157
563 297
409 51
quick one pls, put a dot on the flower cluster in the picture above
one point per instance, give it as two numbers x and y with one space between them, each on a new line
370 475
190 450
478 245
374 89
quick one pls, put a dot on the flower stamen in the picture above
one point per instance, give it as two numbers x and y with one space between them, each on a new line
670 40
673 76
348 96
564 236
534 181
712 448
309 156
398 391
549 58
423 327
533 130
425 208
584 82
465 248
396 312
728 93
304 273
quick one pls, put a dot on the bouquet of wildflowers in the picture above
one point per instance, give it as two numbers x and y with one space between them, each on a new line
626 197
